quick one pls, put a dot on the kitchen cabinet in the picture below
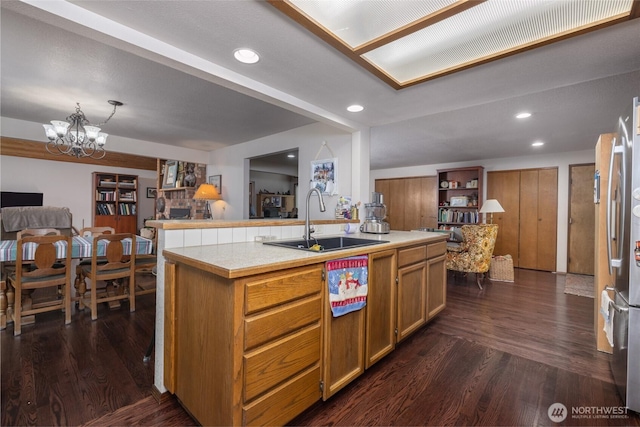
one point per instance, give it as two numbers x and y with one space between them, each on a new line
259 347
412 278
255 340
436 279
411 202
527 229
422 286
459 196
343 359
381 306
115 201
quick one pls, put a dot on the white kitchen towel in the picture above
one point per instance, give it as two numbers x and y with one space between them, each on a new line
607 311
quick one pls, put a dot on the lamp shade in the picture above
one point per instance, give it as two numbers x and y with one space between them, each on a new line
207 192
490 206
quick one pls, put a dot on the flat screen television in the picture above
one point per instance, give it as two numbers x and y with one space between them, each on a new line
11 198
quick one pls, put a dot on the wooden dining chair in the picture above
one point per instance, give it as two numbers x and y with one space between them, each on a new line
46 270
92 231
113 266
38 232
79 283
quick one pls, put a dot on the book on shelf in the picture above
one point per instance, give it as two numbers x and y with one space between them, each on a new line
128 196
458 216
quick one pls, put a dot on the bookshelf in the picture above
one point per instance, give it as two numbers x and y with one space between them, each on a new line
115 201
459 196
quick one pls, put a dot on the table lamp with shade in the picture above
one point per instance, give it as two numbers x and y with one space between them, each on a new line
207 192
491 206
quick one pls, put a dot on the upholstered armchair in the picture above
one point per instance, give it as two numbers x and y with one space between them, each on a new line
475 251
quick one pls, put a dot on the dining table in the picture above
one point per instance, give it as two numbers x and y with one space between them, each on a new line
81 248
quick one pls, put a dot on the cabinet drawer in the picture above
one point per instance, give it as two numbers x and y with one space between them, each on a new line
280 321
436 249
274 289
274 363
411 255
285 402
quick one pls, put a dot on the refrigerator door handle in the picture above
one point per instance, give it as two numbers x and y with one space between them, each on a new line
617 149
615 306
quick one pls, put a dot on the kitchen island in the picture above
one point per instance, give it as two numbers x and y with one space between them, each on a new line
249 338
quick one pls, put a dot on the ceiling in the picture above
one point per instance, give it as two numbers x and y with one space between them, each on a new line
171 64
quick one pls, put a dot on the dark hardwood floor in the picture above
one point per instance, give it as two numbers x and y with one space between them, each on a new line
500 356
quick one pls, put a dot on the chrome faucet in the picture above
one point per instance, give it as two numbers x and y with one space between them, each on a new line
307 228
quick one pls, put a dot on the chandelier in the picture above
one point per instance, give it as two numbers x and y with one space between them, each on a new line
76 136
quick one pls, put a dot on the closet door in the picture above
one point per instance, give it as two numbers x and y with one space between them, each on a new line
528 227
504 186
429 208
548 219
412 203
395 204
538 219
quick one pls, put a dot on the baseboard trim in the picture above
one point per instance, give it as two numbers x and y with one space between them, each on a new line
158 395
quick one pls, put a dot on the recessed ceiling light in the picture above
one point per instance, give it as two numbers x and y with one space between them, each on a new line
537 144
291 156
523 115
246 56
355 108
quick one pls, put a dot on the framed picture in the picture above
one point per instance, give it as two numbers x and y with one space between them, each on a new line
171 174
152 193
324 175
216 181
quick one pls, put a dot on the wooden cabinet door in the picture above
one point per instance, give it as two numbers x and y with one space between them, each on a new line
548 219
395 204
412 203
411 298
127 224
381 306
504 186
429 206
528 228
106 221
538 219
343 359
436 286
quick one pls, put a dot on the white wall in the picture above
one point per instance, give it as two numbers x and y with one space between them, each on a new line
233 164
272 182
69 185
559 160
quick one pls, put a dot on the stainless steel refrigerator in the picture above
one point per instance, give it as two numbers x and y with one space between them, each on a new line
623 237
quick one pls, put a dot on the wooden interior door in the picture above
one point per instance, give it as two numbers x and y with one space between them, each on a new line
504 186
581 238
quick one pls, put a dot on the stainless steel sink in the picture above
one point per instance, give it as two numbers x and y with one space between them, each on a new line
325 244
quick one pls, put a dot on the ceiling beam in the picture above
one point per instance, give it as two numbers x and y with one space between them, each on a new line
36 150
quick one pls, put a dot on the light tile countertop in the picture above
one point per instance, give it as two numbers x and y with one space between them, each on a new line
234 260
185 224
